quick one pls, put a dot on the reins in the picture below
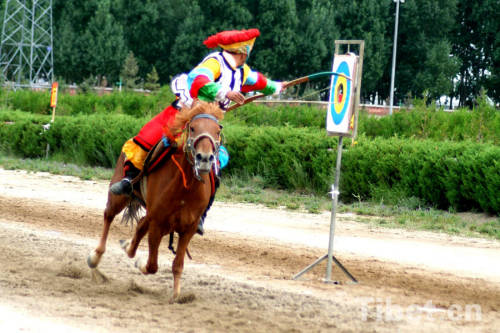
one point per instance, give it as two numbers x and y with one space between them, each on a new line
189 148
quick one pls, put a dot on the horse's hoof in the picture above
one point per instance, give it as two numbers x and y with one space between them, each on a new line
184 298
93 259
141 266
98 277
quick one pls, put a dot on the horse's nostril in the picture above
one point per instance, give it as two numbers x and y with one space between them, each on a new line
211 158
198 157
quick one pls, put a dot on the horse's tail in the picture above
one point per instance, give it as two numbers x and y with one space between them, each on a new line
132 213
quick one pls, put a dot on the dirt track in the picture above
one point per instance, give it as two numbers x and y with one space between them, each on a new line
240 276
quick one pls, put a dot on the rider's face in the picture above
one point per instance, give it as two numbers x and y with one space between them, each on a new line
240 59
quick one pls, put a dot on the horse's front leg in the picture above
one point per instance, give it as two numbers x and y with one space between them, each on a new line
155 235
178 263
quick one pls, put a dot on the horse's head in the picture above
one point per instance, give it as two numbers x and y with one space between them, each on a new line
202 135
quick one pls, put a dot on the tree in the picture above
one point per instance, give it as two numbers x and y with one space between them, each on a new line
276 47
70 18
425 28
475 41
150 30
104 44
152 80
129 71
188 49
440 69
493 82
368 20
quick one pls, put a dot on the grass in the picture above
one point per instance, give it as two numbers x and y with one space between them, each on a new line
426 218
385 210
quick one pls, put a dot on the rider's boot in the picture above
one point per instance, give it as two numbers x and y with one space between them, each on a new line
124 186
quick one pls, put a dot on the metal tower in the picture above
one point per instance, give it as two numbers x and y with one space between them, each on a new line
26 55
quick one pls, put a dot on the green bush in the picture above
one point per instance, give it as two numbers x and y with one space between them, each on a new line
423 122
458 175
463 176
285 157
94 140
481 124
37 102
261 115
127 102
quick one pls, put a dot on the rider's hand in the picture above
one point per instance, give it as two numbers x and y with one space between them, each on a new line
236 97
284 85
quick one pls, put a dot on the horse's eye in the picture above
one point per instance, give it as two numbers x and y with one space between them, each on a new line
191 129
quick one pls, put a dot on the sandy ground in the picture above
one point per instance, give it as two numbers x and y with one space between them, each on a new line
240 278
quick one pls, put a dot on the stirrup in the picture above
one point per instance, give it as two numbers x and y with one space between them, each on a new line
123 187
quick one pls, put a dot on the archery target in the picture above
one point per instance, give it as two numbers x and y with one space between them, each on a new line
341 102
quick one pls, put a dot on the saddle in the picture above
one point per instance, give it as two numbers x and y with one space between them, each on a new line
157 156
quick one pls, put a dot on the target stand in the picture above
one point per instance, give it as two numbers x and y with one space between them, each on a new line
341 120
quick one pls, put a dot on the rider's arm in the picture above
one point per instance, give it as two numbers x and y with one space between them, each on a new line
201 81
255 81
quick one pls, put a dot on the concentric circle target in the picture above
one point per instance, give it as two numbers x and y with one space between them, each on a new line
342 93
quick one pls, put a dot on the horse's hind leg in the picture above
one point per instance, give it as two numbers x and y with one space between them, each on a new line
114 206
131 246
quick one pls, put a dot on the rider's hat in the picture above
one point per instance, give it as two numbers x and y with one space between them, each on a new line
235 41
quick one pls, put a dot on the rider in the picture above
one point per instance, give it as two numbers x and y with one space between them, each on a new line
220 77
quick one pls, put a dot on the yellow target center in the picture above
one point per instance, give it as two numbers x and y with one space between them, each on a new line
340 94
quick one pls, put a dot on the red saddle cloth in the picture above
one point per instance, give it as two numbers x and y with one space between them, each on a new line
151 133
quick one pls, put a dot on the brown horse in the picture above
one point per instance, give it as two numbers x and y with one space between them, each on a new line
175 194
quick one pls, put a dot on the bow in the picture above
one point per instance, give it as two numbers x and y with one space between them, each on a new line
295 82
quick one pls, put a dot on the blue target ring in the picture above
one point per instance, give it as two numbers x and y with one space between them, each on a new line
340 104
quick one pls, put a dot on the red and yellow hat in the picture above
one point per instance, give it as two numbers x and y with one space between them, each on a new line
236 41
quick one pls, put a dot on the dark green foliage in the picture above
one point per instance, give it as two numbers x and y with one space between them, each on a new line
286 157
152 80
94 140
422 122
22 133
481 124
261 115
104 46
438 40
462 175
476 41
424 34
129 71
459 175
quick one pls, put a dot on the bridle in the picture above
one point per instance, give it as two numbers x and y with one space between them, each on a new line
189 147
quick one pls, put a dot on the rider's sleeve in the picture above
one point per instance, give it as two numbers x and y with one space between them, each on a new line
256 81
201 81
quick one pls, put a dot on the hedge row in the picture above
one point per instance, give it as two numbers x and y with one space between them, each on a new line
463 175
94 140
425 122
481 124
126 102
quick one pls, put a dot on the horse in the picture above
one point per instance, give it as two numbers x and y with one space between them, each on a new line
175 194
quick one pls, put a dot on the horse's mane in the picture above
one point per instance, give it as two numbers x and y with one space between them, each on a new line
186 114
